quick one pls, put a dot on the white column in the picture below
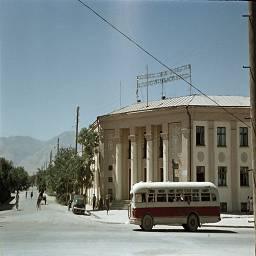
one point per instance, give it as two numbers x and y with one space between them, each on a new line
118 170
149 157
134 160
165 156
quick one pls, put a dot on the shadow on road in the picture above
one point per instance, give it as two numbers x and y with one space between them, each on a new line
221 231
7 206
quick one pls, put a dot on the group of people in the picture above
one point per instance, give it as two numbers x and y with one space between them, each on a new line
41 197
100 203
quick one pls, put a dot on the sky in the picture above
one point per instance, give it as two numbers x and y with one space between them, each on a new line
57 54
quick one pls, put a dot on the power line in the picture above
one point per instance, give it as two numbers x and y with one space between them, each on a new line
160 62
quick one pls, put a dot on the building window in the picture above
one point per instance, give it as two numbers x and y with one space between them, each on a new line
222 176
129 149
200 136
110 179
200 173
244 177
110 167
243 136
145 148
244 207
161 147
223 207
145 175
161 174
221 136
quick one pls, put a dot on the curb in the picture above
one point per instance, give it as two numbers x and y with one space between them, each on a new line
226 226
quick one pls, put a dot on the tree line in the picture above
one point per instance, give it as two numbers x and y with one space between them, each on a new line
70 172
12 178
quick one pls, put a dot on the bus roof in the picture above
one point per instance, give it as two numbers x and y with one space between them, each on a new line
169 185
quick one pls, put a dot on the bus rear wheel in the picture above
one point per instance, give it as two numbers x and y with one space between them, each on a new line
147 223
192 223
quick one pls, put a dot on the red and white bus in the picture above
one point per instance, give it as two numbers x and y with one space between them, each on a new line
189 204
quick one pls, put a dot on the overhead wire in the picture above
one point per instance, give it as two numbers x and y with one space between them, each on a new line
160 62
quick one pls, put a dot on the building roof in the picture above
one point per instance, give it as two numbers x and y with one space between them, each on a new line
193 100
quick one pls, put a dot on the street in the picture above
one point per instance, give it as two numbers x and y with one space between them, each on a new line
55 231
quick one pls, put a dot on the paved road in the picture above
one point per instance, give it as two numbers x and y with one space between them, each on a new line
55 231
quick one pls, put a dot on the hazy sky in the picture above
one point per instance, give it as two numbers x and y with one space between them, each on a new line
56 54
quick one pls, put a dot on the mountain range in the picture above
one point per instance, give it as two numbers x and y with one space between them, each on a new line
33 153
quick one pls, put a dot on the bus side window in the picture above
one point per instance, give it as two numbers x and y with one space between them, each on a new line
171 197
187 198
205 197
151 197
161 197
138 198
214 198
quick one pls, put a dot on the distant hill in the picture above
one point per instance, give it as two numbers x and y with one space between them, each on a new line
32 153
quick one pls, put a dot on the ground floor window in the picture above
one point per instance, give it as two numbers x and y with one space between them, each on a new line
223 207
222 176
161 174
145 175
243 207
200 173
244 177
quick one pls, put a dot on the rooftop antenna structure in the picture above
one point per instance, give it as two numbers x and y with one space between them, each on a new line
146 80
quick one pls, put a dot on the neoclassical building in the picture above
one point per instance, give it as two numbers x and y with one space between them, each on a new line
189 138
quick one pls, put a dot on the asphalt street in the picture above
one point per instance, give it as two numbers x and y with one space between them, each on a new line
54 230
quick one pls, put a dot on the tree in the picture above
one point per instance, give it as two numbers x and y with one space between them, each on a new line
5 187
89 139
11 179
19 178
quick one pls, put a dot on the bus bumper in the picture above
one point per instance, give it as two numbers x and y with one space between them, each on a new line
135 221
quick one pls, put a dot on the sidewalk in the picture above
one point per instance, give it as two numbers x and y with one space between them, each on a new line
121 217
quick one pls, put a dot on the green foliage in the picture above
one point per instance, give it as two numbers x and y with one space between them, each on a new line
11 178
70 172
89 139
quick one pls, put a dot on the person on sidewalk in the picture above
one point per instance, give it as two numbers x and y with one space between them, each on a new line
93 202
17 200
31 194
26 194
248 206
107 203
251 205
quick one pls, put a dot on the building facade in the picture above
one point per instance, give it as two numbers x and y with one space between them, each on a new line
187 138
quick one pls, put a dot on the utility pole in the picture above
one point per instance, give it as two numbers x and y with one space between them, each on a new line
120 94
252 59
51 157
147 85
77 121
58 145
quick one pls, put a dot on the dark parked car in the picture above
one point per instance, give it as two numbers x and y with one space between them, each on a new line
78 205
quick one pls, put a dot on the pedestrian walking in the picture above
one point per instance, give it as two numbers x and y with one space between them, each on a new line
101 204
31 194
107 203
248 206
38 202
251 205
26 194
93 202
17 200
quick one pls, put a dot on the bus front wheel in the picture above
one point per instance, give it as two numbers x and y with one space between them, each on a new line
147 223
192 223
